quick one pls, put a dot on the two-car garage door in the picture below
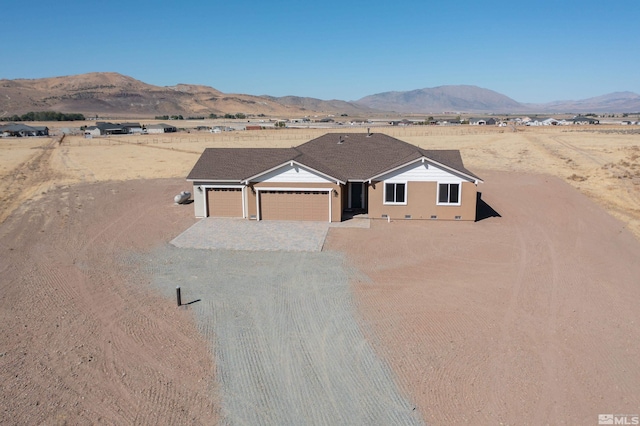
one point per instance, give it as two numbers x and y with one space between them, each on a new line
294 205
273 204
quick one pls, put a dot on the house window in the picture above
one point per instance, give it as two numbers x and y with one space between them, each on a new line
449 193
395 193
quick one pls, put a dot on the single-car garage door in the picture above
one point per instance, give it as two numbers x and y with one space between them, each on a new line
294 205
224 202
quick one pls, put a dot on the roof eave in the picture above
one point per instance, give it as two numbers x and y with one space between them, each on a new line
424 158
292 162
235 181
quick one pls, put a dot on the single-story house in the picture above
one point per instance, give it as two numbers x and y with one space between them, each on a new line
160 128
22 130
132 127
336 173
584 120
91 131
483 121
543 122
107 128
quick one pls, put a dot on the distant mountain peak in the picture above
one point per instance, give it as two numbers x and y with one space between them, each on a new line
463 98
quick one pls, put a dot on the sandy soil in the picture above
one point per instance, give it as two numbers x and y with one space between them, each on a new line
528 318
84 339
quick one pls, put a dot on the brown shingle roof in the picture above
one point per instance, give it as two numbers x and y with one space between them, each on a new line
357 155
353 156
236 164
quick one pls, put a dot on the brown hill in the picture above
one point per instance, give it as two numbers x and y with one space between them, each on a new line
113 94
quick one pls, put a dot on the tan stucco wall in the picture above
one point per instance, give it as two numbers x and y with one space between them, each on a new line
422 202
336 200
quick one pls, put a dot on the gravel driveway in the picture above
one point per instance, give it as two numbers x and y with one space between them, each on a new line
288 347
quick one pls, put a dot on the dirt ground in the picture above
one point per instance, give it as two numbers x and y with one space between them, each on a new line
526 318
529 317
84 339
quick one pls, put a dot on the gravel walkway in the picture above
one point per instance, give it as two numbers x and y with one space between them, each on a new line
288 349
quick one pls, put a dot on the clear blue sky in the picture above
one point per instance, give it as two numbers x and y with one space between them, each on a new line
530 51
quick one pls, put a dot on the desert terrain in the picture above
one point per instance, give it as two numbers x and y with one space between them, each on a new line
525 317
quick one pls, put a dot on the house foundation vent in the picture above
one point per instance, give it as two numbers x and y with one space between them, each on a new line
385 216
458 217
433 216
407 216
253 216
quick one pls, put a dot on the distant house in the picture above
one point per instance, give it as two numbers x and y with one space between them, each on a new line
107 128
19 130
483 121
161 128
132 127
371 173
584 120
542 122
91 131
103 128
403 122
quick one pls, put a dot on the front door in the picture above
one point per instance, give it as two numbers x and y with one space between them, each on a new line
356 195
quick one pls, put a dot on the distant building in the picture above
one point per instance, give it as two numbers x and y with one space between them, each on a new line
584 120
19 130
132 127
542 122
160 128
483 121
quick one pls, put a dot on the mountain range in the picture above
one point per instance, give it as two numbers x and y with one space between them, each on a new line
117 95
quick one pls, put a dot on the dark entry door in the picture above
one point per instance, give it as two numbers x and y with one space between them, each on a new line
357 199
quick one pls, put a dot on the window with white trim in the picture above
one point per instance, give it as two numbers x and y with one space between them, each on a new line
395 193
449 193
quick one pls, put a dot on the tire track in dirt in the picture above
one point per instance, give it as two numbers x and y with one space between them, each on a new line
85 174
524 319
27 179
458 364
84 334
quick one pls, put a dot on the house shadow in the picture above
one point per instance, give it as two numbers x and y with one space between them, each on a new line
484 210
